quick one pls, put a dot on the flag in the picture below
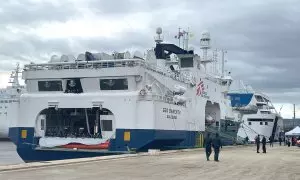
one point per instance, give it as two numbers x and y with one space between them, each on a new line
179 35
200 88
191 35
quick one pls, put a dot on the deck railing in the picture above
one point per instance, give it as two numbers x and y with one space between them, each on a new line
84 64
100 64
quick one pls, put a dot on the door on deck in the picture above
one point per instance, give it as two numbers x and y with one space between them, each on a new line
41 125
107 124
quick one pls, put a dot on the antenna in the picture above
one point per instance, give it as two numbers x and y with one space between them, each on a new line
205 43
215 60
223 62
15 76
179 36
280 109
186 39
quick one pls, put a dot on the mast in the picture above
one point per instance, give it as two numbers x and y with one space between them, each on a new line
179 37
223 62
15 77
205 45
186 39
294 111
215 60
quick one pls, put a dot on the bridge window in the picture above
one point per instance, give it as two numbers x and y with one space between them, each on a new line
266 123
259 98
73 86
50 86
186 62
261 123
260 120
249 123
114 84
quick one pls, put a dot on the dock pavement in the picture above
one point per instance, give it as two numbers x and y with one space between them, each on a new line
280 162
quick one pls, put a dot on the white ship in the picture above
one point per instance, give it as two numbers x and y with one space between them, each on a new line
100 104
9 103
260 116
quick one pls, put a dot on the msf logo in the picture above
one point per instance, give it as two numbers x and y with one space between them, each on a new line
200 88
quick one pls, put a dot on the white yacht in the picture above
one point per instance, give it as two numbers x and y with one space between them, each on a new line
9 103
259 115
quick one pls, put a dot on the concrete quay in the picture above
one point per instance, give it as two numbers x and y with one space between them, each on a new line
280 162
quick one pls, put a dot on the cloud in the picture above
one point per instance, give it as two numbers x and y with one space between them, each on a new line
261 37
26 12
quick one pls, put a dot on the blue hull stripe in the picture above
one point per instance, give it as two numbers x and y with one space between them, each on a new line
140 140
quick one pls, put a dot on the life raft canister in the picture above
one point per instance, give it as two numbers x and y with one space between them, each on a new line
143 92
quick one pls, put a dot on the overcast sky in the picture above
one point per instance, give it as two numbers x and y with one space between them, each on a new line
261 37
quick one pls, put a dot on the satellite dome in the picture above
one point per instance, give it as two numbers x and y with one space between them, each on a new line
71 58
138 54
191 49
54 58
81 57
159 30
64 58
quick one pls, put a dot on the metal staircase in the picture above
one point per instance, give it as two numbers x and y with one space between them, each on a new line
274 128
226 137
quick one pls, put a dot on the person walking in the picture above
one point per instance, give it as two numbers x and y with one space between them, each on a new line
288 142
257 142
271 141
216 144
264 142
207 143
280 140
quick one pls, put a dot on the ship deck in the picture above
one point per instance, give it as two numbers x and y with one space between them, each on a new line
280 162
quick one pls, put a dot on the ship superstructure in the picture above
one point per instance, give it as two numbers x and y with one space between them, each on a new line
100 104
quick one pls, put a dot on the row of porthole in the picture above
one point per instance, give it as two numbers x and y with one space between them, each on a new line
3 106
261 123
8 101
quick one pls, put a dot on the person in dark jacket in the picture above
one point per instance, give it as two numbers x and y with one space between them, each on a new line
207 142
271 141
257 142
280 140
264 142
217 144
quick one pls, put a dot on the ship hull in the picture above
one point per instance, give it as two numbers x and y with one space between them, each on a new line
140 140
264 126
